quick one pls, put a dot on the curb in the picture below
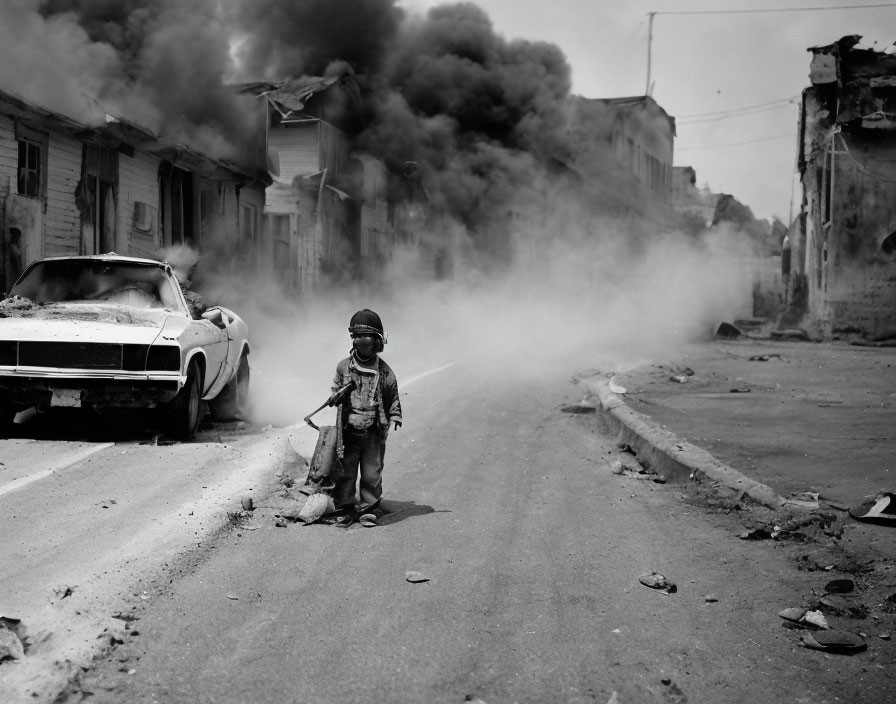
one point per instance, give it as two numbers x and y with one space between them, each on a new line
666 453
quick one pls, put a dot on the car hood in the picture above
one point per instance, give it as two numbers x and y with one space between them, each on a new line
89 323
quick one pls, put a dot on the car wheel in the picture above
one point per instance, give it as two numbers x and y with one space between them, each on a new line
231 402
185 411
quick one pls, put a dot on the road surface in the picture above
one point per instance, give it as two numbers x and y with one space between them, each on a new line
532 548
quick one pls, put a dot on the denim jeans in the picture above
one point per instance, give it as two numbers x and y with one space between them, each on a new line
365 450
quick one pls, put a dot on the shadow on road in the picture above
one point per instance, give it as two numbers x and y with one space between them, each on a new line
397 511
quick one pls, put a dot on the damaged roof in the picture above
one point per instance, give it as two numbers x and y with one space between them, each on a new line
126 136
863 78
311 97
645 101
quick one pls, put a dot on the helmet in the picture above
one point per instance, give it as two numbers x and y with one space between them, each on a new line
366 322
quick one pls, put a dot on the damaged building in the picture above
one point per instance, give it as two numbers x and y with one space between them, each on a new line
69 187
842 268
637 136
326 212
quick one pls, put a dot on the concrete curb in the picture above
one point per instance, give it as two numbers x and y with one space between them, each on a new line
665 453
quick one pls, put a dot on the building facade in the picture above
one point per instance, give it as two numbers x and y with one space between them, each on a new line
842 274
68 188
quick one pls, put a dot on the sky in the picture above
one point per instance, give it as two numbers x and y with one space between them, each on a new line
702 66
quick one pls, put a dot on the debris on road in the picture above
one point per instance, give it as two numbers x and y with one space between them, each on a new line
710 598
247 503
616 388
578 408
655 580
815 619
316 506
834 641
803 499
755 534
678 378
880 508
794 614
727 331
232 597
840 586
415 577
740 390
368 520
764 357
10 643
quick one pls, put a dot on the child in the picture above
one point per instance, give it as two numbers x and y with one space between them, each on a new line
363 418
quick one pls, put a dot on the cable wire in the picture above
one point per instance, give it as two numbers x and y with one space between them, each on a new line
735 144
821 8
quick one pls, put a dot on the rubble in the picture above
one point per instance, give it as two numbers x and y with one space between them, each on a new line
11 646
834 641
880 508
655 580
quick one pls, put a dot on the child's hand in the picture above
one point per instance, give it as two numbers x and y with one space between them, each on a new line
397 424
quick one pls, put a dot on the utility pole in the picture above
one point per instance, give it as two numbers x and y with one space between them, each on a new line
650 16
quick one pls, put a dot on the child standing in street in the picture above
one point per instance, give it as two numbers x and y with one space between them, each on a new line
363 419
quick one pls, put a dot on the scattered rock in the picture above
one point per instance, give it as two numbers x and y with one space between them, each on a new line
794 334
710 598
840 586
793 614
678 378
655 580
232 597
884 636
740 390
764 357
616 388
577 408
10 645
415 577
755 534
834 641
728 331
815 619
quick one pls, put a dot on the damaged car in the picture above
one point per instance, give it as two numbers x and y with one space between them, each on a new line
109 331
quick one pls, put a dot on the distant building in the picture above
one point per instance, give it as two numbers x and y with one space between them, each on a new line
636 134
842 274
326 212
686 198
67 187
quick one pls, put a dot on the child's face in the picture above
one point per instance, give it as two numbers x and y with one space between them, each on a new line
365 345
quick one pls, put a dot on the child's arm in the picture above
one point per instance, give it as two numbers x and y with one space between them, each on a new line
394 411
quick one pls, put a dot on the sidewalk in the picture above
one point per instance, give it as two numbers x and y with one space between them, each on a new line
793 416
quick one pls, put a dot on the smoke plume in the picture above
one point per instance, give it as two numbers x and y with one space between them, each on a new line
554 268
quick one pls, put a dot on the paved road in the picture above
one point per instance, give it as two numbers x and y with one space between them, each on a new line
87 509
533 550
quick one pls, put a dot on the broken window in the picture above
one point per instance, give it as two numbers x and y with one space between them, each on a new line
248 223
278 228
827 185
177 205
32 162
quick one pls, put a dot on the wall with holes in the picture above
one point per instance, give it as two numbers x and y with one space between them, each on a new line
850 186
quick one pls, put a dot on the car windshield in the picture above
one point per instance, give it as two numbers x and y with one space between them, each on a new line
89 281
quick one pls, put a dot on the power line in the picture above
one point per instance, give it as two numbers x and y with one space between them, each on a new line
789 135
741 109
821 8
725 116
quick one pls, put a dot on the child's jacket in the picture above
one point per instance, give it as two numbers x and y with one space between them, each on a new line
373 404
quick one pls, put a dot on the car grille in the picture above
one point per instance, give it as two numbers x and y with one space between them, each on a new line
70 355
89 355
